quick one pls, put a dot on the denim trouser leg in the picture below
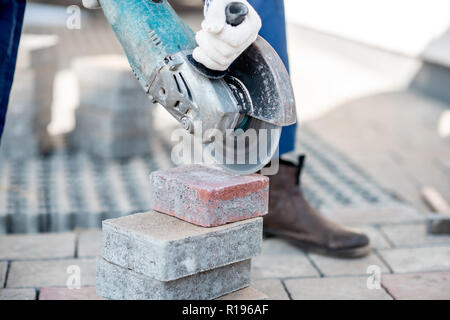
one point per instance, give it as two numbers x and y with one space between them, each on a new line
11 19
274 31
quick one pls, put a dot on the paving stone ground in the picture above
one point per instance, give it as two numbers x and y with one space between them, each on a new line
281 272
354 288
17 294
403 260
89 243
418 286
50 273
342 267
41 246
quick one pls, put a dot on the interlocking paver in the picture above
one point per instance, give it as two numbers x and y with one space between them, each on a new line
418 286
90 243
374 215
207 196
50 273
40 246
413 235
436 258
117 283
83 293
273 288
166 248
281 260
248 293
342 288
17 294
330 266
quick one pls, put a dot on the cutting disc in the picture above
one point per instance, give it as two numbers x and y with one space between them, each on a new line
245 150
260 86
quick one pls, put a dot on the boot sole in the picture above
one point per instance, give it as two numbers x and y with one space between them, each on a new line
348 253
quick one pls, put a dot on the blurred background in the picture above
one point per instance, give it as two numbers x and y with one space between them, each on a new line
372 84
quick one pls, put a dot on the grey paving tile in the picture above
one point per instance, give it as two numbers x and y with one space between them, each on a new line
40 246
84 293
248 293
17 294
345 288
50 273
403 260
347 267
90 243
418 286
413 235
389 214
273 288
281 260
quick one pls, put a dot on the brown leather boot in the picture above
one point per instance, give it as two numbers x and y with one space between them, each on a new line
291 217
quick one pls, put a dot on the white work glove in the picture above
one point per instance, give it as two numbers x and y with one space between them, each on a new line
91 4
219 43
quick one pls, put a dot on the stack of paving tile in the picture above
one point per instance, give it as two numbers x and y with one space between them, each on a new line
114 116
196 244
31 98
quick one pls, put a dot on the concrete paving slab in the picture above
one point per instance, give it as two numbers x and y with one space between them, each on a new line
404 260
39 246
418 286
342 288
17 294
90 243
166 248
248 293
117 283
390 214
347 267
207 196
51 273
84 293
273 288
414 235
281 260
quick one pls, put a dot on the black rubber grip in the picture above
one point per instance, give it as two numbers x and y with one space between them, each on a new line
236 13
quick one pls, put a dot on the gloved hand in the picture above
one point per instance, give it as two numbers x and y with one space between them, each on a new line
91 4
220 43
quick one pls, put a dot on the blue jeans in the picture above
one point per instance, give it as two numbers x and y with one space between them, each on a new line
11 20
274 31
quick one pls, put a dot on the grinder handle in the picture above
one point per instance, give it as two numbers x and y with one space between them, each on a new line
235 13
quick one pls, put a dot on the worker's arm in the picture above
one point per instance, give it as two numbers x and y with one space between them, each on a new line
220 43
